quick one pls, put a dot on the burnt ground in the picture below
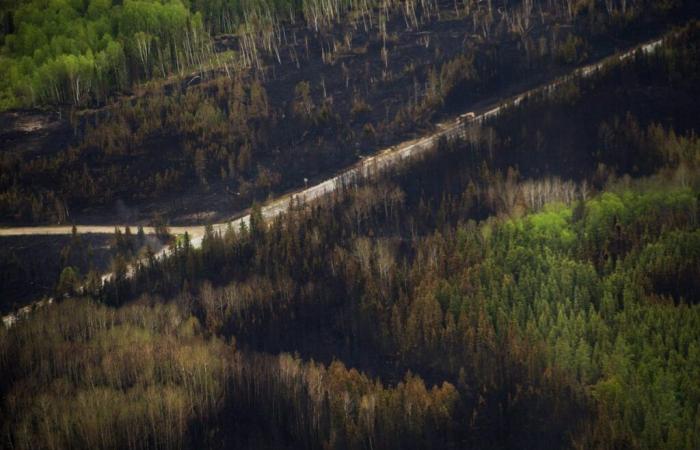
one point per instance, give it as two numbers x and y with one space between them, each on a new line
314 152
33 132
30 265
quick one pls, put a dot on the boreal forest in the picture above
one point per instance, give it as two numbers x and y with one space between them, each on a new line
350 224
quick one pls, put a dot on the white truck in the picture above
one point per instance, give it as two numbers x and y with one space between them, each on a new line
467 117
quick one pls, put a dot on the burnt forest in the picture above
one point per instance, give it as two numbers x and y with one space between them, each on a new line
350 224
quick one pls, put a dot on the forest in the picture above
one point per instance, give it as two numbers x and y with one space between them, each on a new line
246 103
531 285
